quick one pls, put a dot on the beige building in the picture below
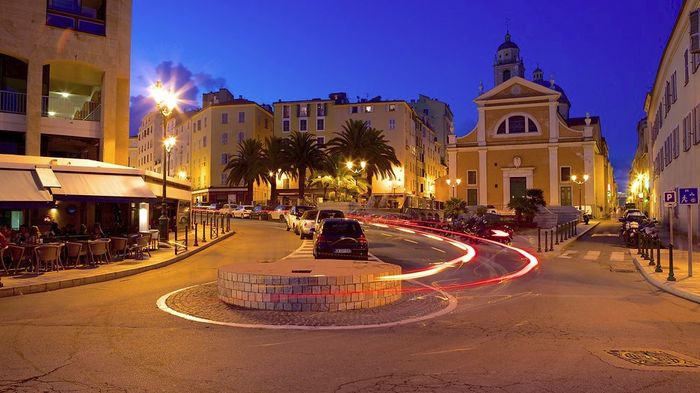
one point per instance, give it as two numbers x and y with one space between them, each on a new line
525 139
673 111
64 78
438 116
416 144
133 151
216 131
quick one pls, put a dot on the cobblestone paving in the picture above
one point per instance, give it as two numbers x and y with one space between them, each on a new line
202 301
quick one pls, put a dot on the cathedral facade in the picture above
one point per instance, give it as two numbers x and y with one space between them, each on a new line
525 139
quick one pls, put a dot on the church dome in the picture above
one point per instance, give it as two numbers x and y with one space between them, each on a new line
508 44
555 87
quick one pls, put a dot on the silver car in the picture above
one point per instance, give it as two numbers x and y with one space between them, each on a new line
307 224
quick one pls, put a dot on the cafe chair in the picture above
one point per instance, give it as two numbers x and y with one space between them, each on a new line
2 260
18 256
119 247
74 251
98 251
48 255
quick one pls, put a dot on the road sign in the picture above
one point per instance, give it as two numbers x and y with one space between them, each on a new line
688 196
670 199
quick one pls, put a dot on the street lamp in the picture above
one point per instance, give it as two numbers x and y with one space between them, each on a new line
351 167
580 182
454 186
166 102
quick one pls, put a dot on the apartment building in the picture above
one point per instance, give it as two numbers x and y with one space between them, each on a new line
216 131
417 145
133 151
438 116
64 78
673 112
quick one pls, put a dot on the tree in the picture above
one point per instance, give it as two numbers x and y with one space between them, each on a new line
275 160
332 174
358 141
247 166
454 207
303 152
528 204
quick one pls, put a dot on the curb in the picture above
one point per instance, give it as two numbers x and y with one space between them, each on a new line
556 253
74 282
666 288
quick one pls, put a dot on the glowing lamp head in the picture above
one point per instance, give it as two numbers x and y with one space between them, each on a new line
363 164
458 181
349 164
449 182
585 177
574 177
169 143
165 98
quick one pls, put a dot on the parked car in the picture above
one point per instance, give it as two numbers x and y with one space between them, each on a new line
278 212
242 211
293 215
227 209
340 238
327 213
306 224
260 212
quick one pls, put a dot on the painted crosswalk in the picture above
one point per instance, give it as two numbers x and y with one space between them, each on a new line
594 255
306 251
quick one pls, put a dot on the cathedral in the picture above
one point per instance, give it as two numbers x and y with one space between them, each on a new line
524 139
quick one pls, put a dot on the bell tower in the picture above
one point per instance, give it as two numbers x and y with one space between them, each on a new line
508 62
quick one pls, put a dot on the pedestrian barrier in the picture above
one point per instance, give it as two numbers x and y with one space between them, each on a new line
558 234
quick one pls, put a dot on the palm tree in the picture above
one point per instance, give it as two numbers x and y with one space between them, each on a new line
359 141
455 207
334 175
275 160
247 166
303 152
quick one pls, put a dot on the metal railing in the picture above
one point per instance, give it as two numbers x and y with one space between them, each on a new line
13 102
66 109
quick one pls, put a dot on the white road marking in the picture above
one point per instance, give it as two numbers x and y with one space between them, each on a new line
568 254
439 250
386 234
592 255
604 235
617 256
410 241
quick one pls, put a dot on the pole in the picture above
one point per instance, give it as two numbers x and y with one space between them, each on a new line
670 264
163 220
670 222
539 240
546 239
658 257
690 240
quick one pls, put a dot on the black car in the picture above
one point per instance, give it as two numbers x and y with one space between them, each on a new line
260 212
340 238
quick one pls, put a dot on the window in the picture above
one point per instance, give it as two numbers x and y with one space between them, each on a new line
506 75
241 136
224 158
391 107
302 124
368 108
224 178
266 122
205 122
687 74
687 132
471 178
303 110
79 15
531 127
285 125
674 88
667 98
320 110
658 115
224 138
321 141
285 111
204 141
224 118
517 125
565 196
199 125
565 173
392 124
241 117
696 121
472 197
426 111
676 142
320 124
501 128
353 109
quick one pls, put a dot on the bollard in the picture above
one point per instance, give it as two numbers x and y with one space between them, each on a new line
567 231
204 230
643 241
195 235
639 244
211 227
546 235
573 228
651 252
187 235
221 218
670 263
539 240
551 240
658 257
555 235
228 223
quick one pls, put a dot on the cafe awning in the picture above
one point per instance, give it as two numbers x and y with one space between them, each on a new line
20 187
101 187
171 192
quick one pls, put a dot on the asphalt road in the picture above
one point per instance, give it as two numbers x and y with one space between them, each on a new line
545 332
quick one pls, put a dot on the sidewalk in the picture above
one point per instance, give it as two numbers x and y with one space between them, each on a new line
529 240
27 283
684 286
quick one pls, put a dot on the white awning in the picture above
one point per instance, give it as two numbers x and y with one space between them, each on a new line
47 178
171 192
101 185
20 186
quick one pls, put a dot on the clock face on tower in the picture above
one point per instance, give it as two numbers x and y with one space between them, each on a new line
517 161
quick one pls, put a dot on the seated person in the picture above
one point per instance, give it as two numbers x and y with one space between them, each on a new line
97 232
34 236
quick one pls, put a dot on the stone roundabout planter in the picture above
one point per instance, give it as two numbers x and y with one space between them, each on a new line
309 285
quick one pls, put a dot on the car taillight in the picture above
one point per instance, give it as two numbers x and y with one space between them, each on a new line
320 238
362 239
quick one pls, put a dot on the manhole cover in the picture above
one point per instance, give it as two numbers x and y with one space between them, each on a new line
653 358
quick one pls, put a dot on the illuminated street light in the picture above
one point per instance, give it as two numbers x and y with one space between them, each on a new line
454 186
580 182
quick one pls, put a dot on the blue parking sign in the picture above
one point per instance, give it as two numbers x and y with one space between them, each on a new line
688 196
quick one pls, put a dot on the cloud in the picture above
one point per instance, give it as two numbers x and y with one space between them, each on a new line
182 80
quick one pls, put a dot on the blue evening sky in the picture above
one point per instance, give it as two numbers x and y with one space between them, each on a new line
603 53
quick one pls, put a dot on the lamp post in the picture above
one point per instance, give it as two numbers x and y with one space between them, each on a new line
580 182
454 186
350 165
166 102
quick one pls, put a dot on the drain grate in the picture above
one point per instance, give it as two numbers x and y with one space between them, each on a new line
653 358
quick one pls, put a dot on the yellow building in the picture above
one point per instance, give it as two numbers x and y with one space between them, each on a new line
216 131
64 78
416 144
525 139
638 185
133 151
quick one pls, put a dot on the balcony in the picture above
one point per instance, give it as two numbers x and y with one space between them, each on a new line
13 102
61 106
